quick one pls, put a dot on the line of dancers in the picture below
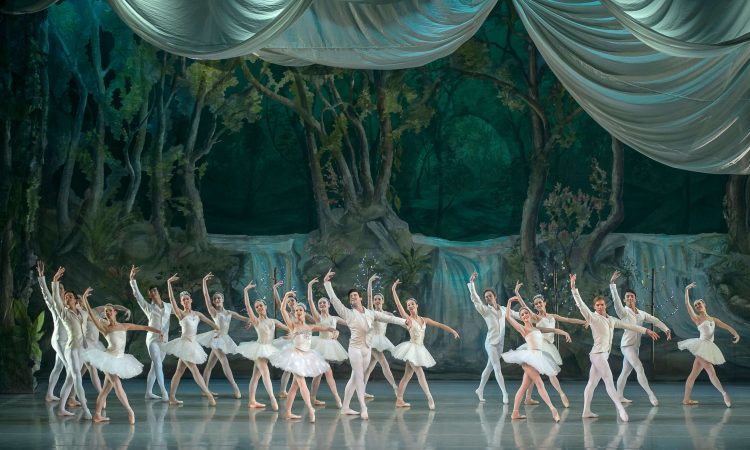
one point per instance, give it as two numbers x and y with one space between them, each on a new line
78 325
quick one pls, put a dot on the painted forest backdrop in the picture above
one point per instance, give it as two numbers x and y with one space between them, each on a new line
115 153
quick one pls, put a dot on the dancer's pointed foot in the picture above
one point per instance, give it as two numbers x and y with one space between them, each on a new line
51 398
565 401
589 415
369 396
174 401
317 402
364 415
237 394
274 404
131 417
727 400
211 400
530 401
290 416
151 396
311 415
505 398
555 415
349 412
254 404
430 402
652 398
98 418
338 402
689 402
64 413
480 395
282 394
625 400
400 403
623 415
516 415
87 414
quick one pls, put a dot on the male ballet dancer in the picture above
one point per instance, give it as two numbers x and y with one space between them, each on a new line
359 320
602 329
158 314
631 341
59 336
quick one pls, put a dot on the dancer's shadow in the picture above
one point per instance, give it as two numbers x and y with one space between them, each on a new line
156 412
494 435
700 439
193 437
533 433
261 438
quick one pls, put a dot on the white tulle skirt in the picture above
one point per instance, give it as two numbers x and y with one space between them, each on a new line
416 354
304 364
223 342
254 350
330 349
548 348
381 343
186 350
282 342
97 344
703 348
125 366
543 362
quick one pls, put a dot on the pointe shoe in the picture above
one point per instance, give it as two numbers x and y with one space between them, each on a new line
480 395
311 415
291 416
51 398
131 417
653 400
623 415
369 396
400 403
211 401
238 395
338 403
364 415
282 394
151 396
274 404
516 415
254 404
625 400
530 401
64 413
174 401
565 401
690 402
317 402
349 412
98 418
727 400
555 415
430 403
505 398
589 415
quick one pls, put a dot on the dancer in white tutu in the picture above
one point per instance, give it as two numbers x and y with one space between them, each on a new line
534 360
299 359
414 352
285 341
219 341
326 343
59 336
631 342
543 319
378 340
707 354
91 339
259 351
113 361
186 348
602 329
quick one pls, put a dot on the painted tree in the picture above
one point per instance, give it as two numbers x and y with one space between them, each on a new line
737 212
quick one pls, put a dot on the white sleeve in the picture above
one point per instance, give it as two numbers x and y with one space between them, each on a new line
139 298
388 318
46 294
342 310
585 311
658 323
480 307
620 324
619 307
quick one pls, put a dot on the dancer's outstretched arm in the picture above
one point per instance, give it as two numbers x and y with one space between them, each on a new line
481 308
693 316
658 324
285 313
442 326
556 331
250 312
206 296
57 301
585 311
399 306
369 290
636 328
46 294
311 301
275 289
177 311
344 312
564 319
145 307
281 325
729 329
513 321
93 317
136 327
206 320
620 308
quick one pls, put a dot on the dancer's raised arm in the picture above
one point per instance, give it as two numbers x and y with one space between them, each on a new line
177 311
284 312
369 290
481 308
693 316
93 317
145 307
311 300
399 306
250 313
57 302
729 329
556 331
206 296
46 294
442 326
344 312
511 320
585 311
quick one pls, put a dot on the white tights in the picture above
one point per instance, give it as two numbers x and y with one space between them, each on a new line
630 361
54 376
73 381
493 364
359 358
600 371
220 357
260 370
156 373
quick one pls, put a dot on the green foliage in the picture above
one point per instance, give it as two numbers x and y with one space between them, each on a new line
103 234
411 265
21 356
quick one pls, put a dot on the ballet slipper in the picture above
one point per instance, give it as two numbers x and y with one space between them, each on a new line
311 415
727 400
274 404
555 415
151 396
515 415
98 418
317 402
479 395
653 400
282 394
430 403
174 401
625 400
211 401
364 415
338 402
290 416
369 396
530 401
564 399
51 398
64 412
237 394
689 402
254 404
589 415
349 412
131 417
505 398
623 415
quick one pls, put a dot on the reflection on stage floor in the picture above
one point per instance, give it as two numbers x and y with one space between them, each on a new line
459 421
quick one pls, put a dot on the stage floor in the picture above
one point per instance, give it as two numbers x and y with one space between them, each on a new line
459 421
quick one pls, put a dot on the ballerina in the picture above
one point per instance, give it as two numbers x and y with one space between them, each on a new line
67 313
378 341
543 319
631 342
494 317
158 313
259 351
707 354
325 343
219 341
59 336
413 352
91 339
113 361
533 359
185 347
602 329
299 359
284 341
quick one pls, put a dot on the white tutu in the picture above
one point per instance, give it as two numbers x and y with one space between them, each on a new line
282 342
416 354
548 348
329 349
125 366
222 342
703 348
186 350
304 364
381 343
541 361
97 344
254 350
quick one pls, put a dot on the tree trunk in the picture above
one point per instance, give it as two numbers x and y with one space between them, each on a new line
737 213
616 213
134 184
158 182
195 222
6 241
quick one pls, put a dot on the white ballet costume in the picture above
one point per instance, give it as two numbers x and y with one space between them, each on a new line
264 347
378 340
533 355
92 338
548 340
414 351
186 347
325 344
114 360
704 346
299 358
219 339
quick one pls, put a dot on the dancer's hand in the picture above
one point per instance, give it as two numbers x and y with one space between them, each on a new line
669 334
473 277
455 335
133 270
40 268
586 325
59 273
615 276
396 283
572 281
373 279
87 293
278 284
336 334
172 279
208 276
250 285
736 339
313 281
690 286
567 337
329 275
248 325
652 335
518 287
161 336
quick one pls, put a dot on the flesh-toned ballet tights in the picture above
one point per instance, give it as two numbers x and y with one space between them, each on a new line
631 361
600 371
379 358
331 385
284 383
219 356
699 365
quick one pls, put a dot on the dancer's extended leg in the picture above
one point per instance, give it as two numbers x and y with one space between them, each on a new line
632 361
602 366
423 383
156 372
284 383
519 395
228 373
54 377
120 392
199 381
300 381
213 357
408 372
102 400
176 382
711 371
697 369
536 379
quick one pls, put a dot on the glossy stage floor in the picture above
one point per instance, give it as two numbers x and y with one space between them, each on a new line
459 421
